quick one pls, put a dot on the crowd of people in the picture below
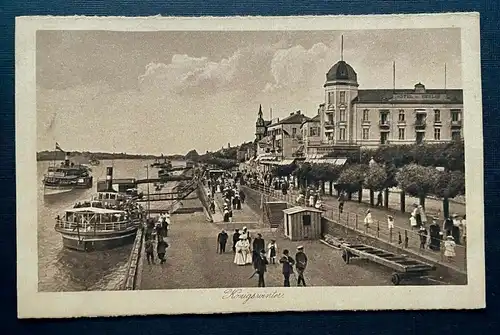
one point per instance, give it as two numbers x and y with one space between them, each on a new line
248 251
156 230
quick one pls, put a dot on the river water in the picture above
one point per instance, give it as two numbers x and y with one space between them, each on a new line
61 269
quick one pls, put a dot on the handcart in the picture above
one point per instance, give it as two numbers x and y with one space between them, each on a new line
403 266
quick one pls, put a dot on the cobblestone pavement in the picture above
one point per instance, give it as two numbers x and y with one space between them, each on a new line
354 211
192 260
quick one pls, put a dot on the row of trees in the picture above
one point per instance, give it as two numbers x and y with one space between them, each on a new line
414 169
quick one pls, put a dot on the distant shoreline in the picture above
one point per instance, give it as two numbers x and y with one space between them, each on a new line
58 155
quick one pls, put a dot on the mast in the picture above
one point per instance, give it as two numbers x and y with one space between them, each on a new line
342 47
445 76
394 76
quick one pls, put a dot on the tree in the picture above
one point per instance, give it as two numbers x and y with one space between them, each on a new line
303 174
449 185
192 156
375 180
417 180
351 179
284 170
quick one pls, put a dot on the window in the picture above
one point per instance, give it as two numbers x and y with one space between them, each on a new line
313 131
306 220
330 118
342 97
456 136
437 134
455 116
401 115
294 131
401 134
384 117
342 115
365 115
342 134
366 132
437 115
330 97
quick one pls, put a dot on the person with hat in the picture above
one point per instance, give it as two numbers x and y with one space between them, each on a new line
242 251
390 222
422 233
301 260
272 251
261 267
435 238
449 248
221 241
236 238
455 230
288 263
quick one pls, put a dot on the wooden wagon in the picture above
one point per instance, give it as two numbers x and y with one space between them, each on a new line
403 266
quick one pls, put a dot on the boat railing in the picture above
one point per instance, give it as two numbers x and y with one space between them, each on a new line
101 226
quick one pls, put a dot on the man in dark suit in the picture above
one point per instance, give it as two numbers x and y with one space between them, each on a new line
258 245
236 238
301 259
288 263
261 267
222 240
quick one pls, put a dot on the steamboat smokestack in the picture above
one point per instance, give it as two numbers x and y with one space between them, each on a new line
66 159
109 178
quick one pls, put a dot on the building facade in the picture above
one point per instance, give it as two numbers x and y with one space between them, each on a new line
286 136
353 118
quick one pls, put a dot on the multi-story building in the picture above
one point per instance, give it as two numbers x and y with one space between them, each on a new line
286 134
311 136
353 118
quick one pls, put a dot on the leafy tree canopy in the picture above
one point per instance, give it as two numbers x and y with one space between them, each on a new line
352 177
375 177
417 180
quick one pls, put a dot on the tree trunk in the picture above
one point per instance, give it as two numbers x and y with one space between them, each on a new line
386 198
331 188
402 201
446 207
422 201
372 198
360 194
322 187
349 196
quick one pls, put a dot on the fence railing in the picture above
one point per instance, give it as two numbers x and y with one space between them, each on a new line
397 236
109 226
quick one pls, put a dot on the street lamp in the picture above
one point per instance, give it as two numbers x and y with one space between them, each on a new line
147 179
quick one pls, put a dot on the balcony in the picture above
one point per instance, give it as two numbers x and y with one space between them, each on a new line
365 121
384 124
329 124
342 123
456 123
420 123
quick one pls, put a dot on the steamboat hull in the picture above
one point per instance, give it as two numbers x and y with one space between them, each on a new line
88 241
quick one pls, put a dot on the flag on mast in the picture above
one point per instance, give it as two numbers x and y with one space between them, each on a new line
58 147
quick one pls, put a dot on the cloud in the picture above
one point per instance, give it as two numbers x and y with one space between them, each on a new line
187 74
297 67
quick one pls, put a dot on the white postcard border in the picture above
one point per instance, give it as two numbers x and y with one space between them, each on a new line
34 304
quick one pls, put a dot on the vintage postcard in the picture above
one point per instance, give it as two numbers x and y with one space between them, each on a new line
171 165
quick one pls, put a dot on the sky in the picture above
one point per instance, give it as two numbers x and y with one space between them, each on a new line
169 92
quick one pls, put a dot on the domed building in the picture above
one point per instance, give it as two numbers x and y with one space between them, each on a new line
351 117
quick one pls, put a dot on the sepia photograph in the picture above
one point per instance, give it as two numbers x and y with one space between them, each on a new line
248 164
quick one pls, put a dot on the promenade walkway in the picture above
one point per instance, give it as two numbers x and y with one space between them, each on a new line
353 216
192 261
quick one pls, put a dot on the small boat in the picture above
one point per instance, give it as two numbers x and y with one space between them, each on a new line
166 164
66 177
94 161
108 220
162 173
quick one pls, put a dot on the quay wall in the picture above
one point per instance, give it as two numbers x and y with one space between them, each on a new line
348 234
131 275
353 235
203 197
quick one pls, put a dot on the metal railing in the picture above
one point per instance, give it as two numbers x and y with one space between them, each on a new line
104 226
400 237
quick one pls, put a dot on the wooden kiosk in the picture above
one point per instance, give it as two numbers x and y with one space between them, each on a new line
302 223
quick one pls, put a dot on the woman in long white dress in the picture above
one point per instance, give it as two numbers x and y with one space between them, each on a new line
243 255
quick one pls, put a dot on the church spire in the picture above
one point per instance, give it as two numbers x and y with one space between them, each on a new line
260 111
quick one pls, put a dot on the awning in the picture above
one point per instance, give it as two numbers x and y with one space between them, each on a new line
269 162
331 161
286 162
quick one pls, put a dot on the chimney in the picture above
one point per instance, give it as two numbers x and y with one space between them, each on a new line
291 113
228 145
298 112
66 159
109 178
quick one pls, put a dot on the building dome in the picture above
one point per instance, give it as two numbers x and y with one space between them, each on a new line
341 71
